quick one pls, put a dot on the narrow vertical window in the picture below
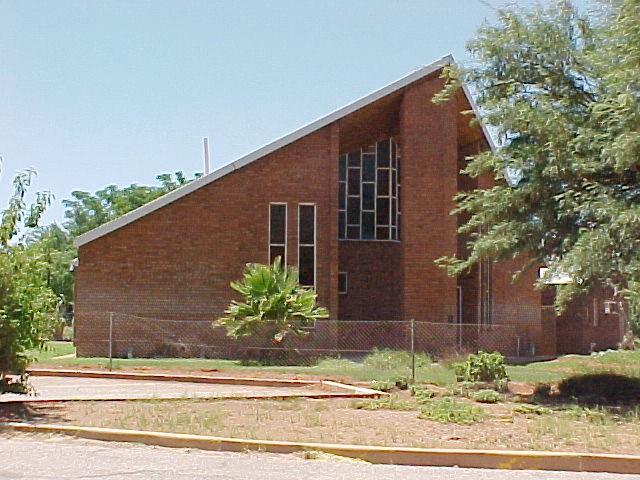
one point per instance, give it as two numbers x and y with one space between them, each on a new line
307 244
342 283
278 231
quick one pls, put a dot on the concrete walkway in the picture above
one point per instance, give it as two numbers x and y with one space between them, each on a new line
52 388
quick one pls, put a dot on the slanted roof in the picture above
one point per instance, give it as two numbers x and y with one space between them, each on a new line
267 149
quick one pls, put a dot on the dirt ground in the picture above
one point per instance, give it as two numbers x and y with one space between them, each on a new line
566 428
340 421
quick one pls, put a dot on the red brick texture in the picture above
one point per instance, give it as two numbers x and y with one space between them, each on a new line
374 280
428 137
177 262
585 325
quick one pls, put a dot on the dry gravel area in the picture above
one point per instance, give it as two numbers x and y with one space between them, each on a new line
339 421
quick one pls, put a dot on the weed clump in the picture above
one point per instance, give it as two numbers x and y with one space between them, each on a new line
485 367
422 395
388 402
450 410
531 409
485 396
401 383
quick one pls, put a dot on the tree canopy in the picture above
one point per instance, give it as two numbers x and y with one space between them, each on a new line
561 92
87 211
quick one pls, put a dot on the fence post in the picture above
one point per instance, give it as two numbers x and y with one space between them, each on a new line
413 352
110 341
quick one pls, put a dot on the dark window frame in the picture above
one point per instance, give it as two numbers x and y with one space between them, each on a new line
276 244
309 245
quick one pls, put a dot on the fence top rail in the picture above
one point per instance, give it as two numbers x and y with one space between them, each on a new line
129 315
119 315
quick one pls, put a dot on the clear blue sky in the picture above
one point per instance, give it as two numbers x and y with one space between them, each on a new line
94 93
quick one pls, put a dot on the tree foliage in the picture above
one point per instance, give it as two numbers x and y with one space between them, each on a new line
561 93
27 304
52 245
87 211
273 302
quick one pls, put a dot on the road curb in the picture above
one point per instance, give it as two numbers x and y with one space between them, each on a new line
495 459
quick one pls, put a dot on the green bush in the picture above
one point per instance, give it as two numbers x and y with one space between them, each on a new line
485 396
482 367
450 410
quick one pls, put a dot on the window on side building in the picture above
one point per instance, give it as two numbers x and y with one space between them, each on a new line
278 232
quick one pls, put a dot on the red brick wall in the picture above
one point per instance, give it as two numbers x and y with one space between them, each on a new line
519 304
177 262
428 137
584 326
374 281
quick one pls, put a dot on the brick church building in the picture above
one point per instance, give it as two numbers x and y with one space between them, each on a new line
359 200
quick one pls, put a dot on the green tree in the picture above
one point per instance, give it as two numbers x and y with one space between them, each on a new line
561 93
53 246
273 300
27 304
88 211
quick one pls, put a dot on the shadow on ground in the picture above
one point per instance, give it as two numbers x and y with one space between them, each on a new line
22 412
594 389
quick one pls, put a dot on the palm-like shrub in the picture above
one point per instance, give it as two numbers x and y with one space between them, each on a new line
273 300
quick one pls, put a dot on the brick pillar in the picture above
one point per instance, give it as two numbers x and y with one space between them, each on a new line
429 180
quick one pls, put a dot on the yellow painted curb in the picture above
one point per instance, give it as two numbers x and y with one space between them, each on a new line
498 459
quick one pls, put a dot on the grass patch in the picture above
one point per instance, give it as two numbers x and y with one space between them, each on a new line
381 365
623 362
52 349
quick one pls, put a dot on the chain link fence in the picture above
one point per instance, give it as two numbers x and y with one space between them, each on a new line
119 335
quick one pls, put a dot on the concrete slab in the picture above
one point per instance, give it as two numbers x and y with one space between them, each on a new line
51 388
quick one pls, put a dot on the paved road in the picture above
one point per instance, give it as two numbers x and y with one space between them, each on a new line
60 388
64 458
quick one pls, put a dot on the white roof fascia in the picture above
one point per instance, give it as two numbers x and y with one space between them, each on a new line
259 153
476 112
